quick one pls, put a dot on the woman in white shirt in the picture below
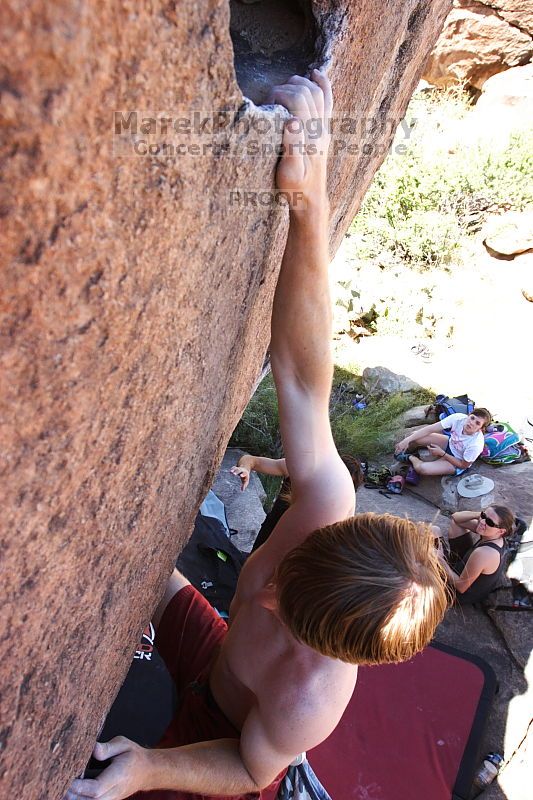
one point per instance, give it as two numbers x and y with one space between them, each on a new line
456 441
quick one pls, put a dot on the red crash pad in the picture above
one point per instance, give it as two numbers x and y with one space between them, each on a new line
411 731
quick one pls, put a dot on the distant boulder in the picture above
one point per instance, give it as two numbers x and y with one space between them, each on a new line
512 89
380 380
419 415
510 234
479 40
504 107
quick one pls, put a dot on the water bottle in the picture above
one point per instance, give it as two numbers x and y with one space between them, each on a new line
488 770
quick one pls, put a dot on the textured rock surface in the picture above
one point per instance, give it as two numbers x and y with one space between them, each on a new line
480 39
382 380
513 487
131 290
510 234
244 510
419 415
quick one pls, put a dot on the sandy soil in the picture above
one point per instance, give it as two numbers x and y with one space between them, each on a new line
475 323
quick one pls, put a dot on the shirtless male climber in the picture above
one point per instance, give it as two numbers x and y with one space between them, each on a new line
313 602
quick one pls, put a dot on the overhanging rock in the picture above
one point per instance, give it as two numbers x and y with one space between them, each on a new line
136 299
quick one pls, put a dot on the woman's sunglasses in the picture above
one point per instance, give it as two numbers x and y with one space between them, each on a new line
490 522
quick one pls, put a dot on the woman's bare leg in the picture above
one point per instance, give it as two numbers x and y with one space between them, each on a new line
462 525
440 439
438 467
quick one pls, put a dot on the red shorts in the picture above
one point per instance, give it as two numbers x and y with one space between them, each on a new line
188 638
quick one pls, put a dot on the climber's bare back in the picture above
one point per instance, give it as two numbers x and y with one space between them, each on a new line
264 677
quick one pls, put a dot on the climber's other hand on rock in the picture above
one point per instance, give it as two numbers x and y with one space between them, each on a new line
130 771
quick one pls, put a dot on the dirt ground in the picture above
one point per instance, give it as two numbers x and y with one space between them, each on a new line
474 335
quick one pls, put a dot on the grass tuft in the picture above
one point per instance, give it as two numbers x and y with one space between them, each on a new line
424 201
369 433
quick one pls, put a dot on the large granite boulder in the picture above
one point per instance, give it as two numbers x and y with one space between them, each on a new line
480 39
244 509
509 90
381 380
503 109
139 260
509 234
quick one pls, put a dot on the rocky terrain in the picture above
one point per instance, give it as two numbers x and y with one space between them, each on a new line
480 39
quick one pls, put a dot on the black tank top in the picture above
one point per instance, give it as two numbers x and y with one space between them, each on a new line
483 583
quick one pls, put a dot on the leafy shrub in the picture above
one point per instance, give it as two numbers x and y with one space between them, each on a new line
258 429
369 433
372 432
419 206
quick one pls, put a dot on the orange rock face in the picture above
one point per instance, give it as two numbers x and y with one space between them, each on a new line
480 39
136 291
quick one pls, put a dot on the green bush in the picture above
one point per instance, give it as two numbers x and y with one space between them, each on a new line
419 207
258 429
372 433
368 433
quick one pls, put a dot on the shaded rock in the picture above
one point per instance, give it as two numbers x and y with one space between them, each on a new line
510 234
244 510
401 505
137 291
417 416
439 492
516 633
479 40
515 630
271 42
381 379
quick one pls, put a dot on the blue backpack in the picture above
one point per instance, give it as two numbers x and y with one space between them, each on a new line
444 405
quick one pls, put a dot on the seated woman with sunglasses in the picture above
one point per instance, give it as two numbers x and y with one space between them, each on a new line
477 545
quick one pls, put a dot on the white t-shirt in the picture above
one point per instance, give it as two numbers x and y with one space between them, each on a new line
465 446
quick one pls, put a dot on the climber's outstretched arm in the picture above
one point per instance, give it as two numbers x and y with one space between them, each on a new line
301 350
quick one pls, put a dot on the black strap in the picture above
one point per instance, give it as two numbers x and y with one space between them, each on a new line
494 546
